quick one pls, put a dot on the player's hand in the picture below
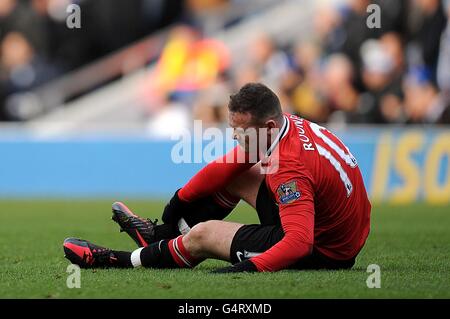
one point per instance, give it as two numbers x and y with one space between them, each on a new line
174 209
243 266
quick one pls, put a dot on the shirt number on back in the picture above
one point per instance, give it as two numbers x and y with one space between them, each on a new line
348 158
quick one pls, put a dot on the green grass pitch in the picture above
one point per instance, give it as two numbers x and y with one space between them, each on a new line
411 244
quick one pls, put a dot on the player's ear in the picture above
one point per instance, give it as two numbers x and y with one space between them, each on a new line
270 124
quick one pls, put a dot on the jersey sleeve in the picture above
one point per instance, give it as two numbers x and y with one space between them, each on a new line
294 194
216 175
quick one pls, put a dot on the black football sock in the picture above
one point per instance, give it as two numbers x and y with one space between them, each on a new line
121 259
216 206
166 231
164 254
157 255
213 207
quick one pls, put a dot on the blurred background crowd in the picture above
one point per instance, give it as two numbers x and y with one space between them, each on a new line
340 71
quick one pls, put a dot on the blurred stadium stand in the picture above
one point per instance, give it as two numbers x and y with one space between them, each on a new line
134 101
66 76
318 55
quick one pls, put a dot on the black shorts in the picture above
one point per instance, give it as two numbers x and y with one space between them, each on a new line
252 240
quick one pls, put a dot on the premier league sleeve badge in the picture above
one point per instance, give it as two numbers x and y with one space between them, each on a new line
288 192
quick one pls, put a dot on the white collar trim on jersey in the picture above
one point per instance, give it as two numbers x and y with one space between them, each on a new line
283 132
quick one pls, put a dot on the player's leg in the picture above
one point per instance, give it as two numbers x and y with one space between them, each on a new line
216 239
144 231
236 242
214 207
157 255
220 204
210 239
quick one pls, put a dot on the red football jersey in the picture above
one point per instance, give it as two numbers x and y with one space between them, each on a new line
320 194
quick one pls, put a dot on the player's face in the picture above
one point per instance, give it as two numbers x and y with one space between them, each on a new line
247 133
241 123
244 131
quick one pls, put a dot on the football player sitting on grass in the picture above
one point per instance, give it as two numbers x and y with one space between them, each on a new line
313 207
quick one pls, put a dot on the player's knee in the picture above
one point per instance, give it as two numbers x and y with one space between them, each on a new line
197 236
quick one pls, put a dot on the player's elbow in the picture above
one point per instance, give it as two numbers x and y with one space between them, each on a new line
305 245
304 250
301 244
308 248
